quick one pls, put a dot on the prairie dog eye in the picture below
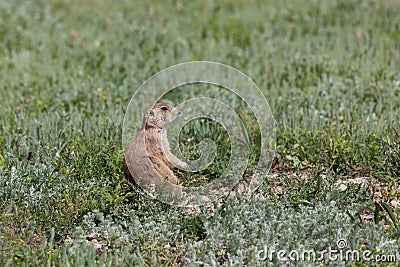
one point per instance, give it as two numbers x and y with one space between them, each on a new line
164 108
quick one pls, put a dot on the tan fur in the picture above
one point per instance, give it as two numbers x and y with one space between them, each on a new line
149 157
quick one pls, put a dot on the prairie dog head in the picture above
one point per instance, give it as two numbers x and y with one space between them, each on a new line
159 115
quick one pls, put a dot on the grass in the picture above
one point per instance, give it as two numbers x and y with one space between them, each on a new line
329 70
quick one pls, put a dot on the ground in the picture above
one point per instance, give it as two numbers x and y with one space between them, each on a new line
328 69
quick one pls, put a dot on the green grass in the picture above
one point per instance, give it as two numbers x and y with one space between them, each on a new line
329 70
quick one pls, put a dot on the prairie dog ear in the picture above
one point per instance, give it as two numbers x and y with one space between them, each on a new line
149 119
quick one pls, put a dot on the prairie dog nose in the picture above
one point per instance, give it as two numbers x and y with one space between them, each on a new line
176 111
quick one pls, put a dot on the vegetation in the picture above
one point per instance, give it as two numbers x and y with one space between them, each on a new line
329 70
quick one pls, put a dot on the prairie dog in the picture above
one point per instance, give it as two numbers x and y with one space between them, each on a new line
149 157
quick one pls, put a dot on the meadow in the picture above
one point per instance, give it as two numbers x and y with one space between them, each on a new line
330 71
